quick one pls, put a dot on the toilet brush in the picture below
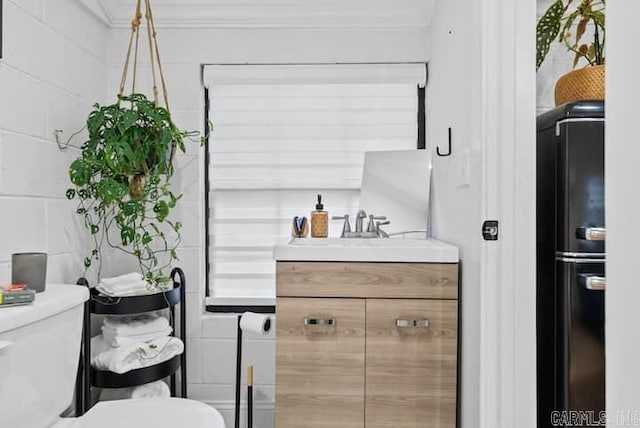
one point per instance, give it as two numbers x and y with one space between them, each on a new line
250 397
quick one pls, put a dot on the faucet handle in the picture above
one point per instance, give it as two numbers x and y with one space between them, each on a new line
381 233
372 222
346 227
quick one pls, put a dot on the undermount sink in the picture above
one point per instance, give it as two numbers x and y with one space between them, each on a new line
365 249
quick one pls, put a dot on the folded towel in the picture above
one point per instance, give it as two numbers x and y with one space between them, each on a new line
157 389
134 355
123 330
126 278
123 289
116 341
135 324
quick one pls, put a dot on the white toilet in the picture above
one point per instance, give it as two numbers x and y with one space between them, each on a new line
39 355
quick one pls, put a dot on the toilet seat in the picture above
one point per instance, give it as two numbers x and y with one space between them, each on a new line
147 412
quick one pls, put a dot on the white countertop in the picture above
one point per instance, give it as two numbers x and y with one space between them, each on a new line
366 250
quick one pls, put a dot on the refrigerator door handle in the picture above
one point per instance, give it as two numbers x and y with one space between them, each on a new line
591 233
592 282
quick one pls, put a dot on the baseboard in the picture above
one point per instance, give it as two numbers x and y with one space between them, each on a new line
227 405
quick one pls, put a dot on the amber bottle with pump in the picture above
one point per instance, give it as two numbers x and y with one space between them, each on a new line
319 221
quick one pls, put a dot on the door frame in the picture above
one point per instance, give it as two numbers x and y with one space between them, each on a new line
507 129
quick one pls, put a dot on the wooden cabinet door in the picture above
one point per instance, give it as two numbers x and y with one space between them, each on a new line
320 365
411 348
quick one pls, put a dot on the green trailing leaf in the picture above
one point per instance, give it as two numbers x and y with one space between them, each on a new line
547 30
146 239
162 210
127 235
79 173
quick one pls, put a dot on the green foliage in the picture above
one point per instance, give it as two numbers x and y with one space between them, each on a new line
121 181
569 22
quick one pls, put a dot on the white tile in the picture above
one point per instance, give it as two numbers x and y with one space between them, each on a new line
194 361
86 31
186 178
66 268
21 114
189 262
34 167
189 120
218 361
262 355
65 228
22 226
188 213
212 393
194 308
219 326
41 51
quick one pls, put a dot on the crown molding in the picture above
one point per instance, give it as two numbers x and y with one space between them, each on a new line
221 14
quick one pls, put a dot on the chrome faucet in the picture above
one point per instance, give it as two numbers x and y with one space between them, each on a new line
359 217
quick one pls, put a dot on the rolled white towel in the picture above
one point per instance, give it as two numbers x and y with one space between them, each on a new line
134 355
157 389
126 278
123 289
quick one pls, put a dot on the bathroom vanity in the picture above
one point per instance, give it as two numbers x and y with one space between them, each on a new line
366 338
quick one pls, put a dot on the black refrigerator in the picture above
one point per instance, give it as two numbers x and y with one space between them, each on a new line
570 262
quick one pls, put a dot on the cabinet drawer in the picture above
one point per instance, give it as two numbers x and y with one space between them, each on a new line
411 350
320 363
382 280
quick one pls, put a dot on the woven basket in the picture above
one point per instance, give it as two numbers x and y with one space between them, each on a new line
582 84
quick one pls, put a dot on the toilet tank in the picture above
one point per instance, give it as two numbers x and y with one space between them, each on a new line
39 354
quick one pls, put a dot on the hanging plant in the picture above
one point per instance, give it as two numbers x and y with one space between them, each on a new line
121 181
121 178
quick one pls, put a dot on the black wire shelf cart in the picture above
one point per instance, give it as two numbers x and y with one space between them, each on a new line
102 305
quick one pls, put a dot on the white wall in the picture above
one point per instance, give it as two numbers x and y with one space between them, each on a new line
52 71
211 340
623 204
452 91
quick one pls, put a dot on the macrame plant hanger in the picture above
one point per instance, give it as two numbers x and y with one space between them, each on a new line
154 57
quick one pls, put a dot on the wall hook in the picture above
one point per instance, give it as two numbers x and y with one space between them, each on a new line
448 150
64 145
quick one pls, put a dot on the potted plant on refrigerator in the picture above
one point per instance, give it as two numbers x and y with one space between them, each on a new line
579 25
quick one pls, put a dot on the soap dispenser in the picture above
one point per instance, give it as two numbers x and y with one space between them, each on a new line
319 221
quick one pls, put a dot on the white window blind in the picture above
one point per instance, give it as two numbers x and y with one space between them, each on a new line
283 134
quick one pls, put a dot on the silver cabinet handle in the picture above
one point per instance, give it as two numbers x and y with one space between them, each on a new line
319 321
592 282
424 323
592 233
595 283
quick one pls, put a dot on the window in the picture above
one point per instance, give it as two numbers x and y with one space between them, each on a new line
283 134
